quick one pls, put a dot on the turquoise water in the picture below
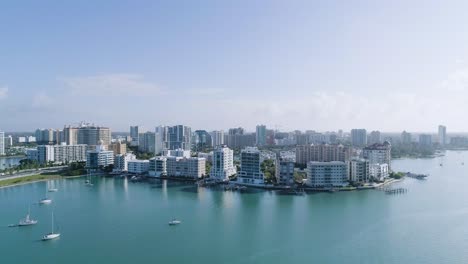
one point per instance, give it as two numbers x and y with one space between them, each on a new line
121 222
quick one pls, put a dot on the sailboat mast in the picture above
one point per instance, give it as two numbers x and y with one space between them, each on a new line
52 222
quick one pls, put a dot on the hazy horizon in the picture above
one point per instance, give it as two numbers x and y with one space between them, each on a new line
388 66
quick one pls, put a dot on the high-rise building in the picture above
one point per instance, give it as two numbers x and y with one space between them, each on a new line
92 135
46 136
236 131
322 152
374 138
260 135
8 142
359 170
70 135
217 138
2 143
327 174
358 137
161 144
147 142
406 137
179 137
284 171
442 135
250 170
378 153
135 135
425 140
236 139
223 163
202 140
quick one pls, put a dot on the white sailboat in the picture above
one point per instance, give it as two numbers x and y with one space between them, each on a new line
51 235
45 200
27 221
88 180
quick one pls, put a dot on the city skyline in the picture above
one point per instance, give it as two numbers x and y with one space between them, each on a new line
297 65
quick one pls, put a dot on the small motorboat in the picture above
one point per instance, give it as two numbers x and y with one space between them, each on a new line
27 221
174 222
53 190
45 201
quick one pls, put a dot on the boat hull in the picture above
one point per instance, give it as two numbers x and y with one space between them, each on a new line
50 237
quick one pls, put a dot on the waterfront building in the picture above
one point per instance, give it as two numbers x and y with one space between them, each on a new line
135 135
138 166
118 147
90 134
99 158
322 152
250 169
284 171
406 138
158 167
378 171
147 142
359 170
121 161
2 143
179 137
202 140
260 135
223 163
192 167
378 153
442 135
327 174
374 138
217 138
425 140
207 156
358 137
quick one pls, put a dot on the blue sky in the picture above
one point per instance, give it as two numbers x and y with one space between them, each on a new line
323 65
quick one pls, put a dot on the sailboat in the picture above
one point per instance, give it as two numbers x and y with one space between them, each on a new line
175 222
53 189
45 200
51 235
27 221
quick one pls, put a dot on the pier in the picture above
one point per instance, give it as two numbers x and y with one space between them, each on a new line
395 191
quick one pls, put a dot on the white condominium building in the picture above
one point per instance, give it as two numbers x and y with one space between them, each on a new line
359 170
2 143
379 171
138 166
327 174
223 163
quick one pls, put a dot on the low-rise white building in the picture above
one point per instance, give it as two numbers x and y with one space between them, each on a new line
99 158
121 162
158 167
327 174
379 171
138 166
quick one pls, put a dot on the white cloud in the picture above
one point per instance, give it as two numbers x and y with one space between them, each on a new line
3 92
111 84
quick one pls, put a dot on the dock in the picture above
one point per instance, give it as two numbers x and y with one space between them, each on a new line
395 191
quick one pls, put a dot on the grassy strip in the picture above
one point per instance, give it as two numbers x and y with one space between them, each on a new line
26 179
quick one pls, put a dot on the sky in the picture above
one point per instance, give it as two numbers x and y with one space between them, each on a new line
321 65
